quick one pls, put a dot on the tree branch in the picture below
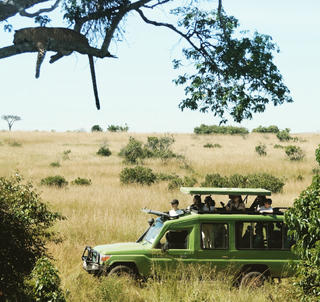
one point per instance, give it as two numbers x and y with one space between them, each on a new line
40 11
10 8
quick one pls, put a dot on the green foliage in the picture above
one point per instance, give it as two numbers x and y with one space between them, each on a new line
44 284
56 181
270 129
116 128
133 152
177 182
294 153
96 128
214 129
55 164
304 226
257 180
277 146
209 145
234 72
317 153
261 149
65 154
284 135
25 229
159 147
139 175
81 181
11 119
104 151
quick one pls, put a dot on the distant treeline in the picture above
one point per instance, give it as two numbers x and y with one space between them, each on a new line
215 129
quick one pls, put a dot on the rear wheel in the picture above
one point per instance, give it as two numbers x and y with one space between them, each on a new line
252 279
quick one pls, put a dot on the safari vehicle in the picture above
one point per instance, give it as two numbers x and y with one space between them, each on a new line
255 245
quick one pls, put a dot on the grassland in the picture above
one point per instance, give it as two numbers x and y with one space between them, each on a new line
107 212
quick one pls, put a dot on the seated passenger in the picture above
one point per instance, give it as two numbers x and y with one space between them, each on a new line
266 208
174 212
258 202
235 203
209 205
197 204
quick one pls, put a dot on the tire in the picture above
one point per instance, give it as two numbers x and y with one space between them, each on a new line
122 271
252 279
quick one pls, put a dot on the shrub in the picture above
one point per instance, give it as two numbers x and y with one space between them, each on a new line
159 147
81 181
165 177
270 129
284 135
215 180
140 175
258 180
115 128
294 152
177 182
96 128
304 226
57 181
55 164
265 181
317 153
208 145
316 171
277 146
25 229
214 129
104 151
45 282
65 155
133 151
261 149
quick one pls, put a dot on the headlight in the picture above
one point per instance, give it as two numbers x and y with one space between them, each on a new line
104 258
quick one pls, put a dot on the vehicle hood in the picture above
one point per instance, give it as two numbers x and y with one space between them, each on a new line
120 248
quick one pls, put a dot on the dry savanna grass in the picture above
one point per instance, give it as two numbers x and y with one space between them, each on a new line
108 212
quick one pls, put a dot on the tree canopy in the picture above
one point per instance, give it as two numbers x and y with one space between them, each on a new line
233 72
10 119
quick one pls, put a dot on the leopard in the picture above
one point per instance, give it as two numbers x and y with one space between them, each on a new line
62 40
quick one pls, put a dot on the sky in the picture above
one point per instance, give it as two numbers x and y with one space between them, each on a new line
137 88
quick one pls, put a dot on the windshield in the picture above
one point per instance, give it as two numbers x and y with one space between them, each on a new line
154 231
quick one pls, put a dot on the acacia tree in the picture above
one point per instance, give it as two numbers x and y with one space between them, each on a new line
233 72
10 119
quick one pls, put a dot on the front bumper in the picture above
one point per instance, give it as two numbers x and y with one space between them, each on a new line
90 261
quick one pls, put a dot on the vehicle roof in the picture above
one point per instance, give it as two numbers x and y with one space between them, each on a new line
224 191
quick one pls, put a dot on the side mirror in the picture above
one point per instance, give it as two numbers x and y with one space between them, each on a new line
150 221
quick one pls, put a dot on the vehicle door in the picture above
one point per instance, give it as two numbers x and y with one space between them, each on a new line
212 246
174 248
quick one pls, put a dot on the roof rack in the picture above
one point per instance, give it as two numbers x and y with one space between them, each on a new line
225 191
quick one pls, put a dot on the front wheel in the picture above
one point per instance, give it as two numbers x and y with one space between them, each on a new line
253 280
122 271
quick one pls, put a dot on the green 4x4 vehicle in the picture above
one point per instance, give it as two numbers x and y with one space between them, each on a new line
254 244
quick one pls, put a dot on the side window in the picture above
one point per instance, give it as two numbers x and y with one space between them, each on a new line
175 239
261 235
214 236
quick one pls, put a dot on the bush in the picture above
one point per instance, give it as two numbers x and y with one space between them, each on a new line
208 145
140 175
65 155
317 153
258 180
270 129
96 128
57 181
177 182
55 164
115 128
45 282
261 149
294 152
81 181
284 135
133 152
159 147
304 226
214 129
277 146
25 229
104 151
215 180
